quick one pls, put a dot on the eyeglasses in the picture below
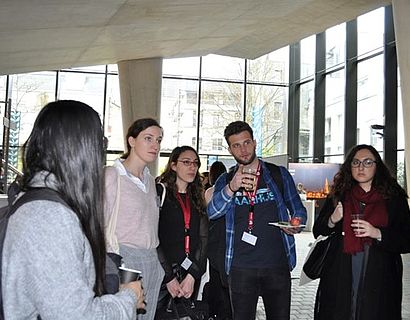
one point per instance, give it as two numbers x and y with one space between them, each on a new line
188 163
367 163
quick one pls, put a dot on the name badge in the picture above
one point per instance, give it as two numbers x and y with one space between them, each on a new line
249 238
186 263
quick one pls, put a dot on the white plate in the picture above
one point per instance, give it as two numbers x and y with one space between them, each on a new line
285 225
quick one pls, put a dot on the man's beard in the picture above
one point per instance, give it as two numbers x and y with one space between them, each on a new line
245 163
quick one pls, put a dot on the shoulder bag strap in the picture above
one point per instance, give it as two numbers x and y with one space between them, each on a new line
275 173
112 241
161 192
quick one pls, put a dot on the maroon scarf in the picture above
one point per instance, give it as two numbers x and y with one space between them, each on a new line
375 212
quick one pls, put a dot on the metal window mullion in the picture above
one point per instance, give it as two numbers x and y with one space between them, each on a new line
294 102
320 100
390 93
350 132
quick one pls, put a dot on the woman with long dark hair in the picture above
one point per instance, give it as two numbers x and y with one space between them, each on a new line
54 254
218 288
362 277
183 225
130 194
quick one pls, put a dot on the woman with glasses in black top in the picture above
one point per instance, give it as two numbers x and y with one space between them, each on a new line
362 277
183 226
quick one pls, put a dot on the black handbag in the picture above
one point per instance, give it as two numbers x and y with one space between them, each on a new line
169 308
317 256
112 277
183 309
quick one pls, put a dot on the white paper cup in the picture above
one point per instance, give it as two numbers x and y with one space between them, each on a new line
129 275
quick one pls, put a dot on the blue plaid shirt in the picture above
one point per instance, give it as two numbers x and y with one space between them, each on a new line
222 204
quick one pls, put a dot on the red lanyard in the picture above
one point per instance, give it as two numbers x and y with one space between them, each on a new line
252 197
186 209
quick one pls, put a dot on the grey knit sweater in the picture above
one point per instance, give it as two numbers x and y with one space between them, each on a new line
48 269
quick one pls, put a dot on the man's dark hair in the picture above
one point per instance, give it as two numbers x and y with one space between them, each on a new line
235 128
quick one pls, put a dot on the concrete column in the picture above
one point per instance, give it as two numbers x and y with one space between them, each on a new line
140 90
401 9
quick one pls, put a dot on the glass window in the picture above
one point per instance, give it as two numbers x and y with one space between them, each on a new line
29 93
370 32
111 157
178 108
3 88
307 104
162 163
272 67
334 159
221 103
335 45
217 144
112 68
113 119
370 101
84 87
221 67
2 103
334 113
307 56
401 172
266 113
181 67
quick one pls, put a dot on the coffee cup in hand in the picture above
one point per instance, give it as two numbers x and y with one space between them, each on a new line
128 275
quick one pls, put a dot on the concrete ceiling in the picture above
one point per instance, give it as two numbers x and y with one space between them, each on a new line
52 34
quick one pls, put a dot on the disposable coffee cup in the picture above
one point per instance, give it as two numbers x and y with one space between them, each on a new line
128 275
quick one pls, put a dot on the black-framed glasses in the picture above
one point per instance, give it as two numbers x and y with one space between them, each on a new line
367 163
188 163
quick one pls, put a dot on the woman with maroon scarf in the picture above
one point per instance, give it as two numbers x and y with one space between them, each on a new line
362 278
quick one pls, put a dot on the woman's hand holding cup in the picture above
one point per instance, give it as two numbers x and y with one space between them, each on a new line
131 279
136 286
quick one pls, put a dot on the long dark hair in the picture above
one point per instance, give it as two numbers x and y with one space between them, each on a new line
382 181
195 189
136 128
67 141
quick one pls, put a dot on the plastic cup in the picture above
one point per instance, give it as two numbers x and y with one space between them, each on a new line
357 216
250 179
